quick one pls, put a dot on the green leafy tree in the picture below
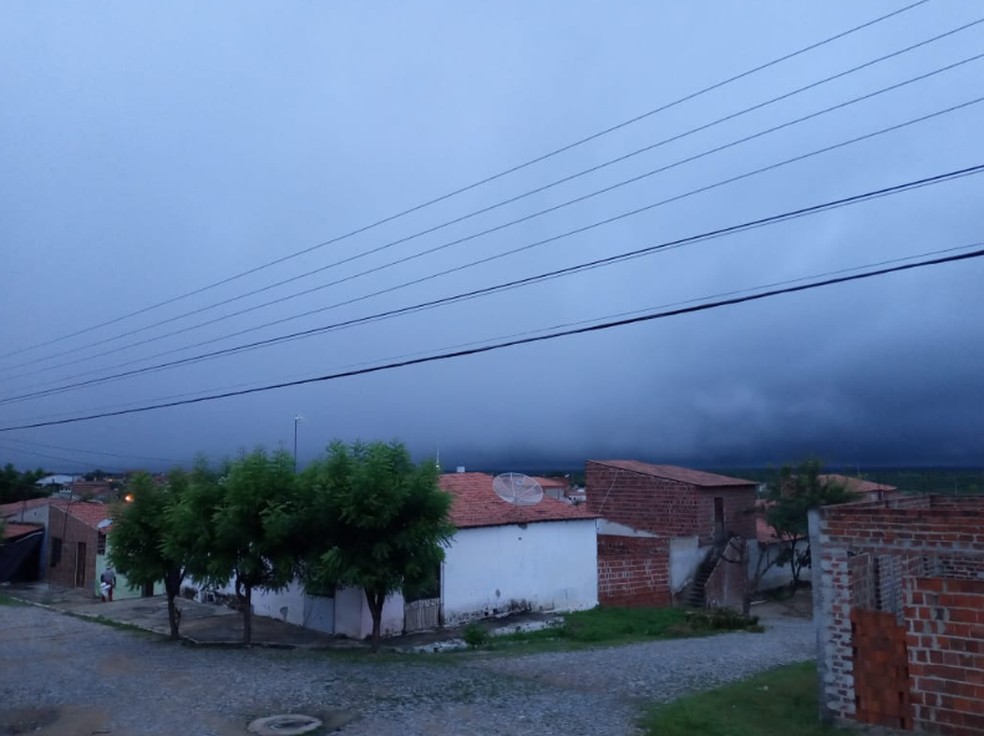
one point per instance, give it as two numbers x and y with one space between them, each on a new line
788 500
18 486
138 539
379 522
240 527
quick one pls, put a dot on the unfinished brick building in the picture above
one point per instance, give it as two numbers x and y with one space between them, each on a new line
663 530
899 605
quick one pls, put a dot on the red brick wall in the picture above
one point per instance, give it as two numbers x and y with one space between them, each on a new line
945 621
633 571
917 565
664 506
71 531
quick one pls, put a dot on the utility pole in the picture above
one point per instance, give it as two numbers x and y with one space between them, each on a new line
297 418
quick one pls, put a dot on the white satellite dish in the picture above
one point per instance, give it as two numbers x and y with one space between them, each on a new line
517 489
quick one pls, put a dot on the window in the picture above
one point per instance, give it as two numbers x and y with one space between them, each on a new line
56 551
101 545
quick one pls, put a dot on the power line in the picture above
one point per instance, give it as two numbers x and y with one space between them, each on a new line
481 182
528 246
519 341
556 273
88 452
563 325
56 458
512 200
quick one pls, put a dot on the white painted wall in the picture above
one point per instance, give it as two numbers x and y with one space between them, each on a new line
292 605
685 558
354 620
775 576
546 566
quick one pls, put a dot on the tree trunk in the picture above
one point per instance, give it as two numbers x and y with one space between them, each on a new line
375 599
172 586
247 614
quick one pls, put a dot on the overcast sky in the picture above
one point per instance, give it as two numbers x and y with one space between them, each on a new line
150 150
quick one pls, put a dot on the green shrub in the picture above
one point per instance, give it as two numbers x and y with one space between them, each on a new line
721 619
475 636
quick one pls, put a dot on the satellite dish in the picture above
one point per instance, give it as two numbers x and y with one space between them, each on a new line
518 489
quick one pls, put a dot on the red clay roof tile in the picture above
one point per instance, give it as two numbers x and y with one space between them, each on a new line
475 504
673 472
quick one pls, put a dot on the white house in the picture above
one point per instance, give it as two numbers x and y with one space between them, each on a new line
512 558
503 558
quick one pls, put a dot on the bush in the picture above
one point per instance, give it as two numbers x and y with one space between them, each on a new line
721 619
475 636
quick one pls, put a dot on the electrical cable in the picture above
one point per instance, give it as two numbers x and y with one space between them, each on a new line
562 325
556 273
520 341
505 172
511 200
513 251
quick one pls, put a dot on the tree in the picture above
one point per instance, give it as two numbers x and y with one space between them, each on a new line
240 526
138 539
17 486
786 506
379 522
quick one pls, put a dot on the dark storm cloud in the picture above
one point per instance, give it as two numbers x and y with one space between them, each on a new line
148 152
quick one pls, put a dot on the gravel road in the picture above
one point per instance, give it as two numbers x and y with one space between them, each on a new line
76 678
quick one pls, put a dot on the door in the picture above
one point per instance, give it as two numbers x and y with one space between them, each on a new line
719 531
80 565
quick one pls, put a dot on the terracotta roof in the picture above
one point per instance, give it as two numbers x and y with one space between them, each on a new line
764 531
672 472
857 485
551 482
476 504
90 513
14 508
12 530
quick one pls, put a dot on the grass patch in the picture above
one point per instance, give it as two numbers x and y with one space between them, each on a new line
6 600
614 626
779 702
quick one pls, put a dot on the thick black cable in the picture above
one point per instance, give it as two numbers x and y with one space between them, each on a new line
485 260
564 325
508 201
515 343
556 273
481 182
497 228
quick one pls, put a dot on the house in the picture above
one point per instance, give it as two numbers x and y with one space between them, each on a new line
898 595
76 536
56 482
666 530
867 490
503 558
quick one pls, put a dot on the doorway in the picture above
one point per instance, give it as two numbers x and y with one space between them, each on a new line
80 565
719 532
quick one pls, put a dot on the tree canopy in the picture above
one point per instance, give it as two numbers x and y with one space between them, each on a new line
240 526
138 543
374 521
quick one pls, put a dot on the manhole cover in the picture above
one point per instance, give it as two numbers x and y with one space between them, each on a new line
286 725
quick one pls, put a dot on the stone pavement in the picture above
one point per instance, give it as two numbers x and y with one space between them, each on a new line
201 623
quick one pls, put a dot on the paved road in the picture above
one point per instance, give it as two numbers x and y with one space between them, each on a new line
75 677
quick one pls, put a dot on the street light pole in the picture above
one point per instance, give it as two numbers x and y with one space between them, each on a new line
297 418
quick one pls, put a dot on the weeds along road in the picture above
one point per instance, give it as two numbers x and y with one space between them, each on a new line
71 676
